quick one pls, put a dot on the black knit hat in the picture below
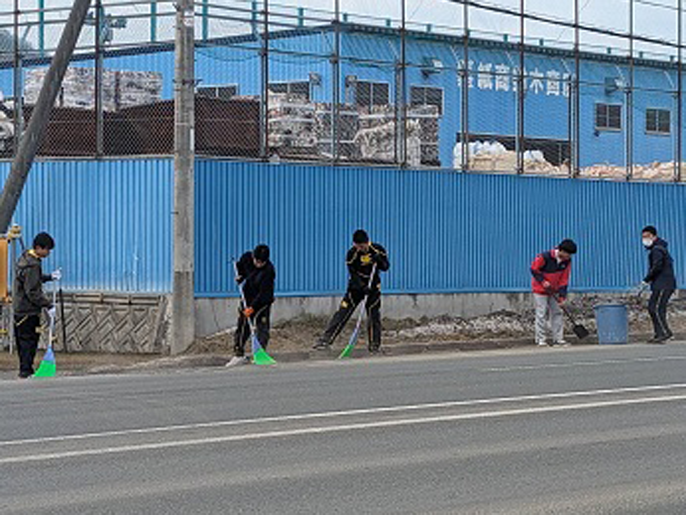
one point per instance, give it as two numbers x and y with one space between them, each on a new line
261 253
568 246
360 236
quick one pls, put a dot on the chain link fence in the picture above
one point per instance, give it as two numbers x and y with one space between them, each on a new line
503 86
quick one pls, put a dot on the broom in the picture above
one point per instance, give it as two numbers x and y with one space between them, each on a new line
348 350
48 367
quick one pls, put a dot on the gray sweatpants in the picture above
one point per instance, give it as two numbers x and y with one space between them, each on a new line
548 319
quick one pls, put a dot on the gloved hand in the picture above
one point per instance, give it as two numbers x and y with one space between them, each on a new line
239 279
52 312
56 275
248 312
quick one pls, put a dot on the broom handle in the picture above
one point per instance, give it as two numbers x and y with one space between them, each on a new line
240 289
364 300
51 324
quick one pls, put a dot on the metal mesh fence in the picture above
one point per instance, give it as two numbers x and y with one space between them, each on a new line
500 86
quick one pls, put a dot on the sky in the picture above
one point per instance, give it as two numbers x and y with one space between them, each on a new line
653 18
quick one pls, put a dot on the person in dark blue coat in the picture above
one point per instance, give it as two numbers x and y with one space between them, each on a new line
662 282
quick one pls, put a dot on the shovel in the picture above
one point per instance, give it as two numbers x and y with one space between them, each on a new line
579 330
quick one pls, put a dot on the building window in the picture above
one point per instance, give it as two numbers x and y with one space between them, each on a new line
608 117
368 94
224 92
301 88
658 121
426 96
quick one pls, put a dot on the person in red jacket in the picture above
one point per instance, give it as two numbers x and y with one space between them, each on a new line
551 271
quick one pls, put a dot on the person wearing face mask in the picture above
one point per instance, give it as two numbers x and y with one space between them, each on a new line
360 259
550 279
662 282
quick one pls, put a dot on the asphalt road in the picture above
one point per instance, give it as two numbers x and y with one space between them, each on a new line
581 430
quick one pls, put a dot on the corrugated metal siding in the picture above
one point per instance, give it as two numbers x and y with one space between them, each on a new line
445 232
111 221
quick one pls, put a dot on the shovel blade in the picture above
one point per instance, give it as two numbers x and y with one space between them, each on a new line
580 331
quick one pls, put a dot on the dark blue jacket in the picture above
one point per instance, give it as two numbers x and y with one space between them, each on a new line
661 267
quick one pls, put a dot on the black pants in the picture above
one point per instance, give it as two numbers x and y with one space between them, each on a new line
657 307
242 335
26 336
351 300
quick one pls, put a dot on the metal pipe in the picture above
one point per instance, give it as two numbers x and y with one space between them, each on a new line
465 91
99 115
630 99
576 96
264 97
205 20
403 83
336 72
17 80
680 95
41 27
153 21
520 93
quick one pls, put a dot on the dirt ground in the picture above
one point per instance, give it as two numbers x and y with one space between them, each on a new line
301 334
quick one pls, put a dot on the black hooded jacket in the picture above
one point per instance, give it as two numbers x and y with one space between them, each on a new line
28 298
258 285
661 267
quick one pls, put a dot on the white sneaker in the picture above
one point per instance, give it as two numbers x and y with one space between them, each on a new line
561 343
237 361
542 344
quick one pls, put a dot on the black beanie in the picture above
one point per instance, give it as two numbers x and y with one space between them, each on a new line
360 236
568 246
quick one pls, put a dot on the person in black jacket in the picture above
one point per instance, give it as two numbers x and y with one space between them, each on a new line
360 260
662 282
28 300
256 275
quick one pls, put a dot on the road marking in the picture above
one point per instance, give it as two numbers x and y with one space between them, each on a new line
335 429
582 364
345 413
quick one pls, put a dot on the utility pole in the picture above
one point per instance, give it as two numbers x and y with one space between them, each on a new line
183 289
32 137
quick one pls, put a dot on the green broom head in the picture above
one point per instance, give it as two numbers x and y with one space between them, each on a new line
262 358
48 367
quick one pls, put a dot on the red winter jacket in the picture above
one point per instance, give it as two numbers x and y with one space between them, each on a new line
547 267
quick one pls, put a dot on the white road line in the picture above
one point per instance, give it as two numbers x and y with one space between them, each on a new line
345 413
582 364
335 429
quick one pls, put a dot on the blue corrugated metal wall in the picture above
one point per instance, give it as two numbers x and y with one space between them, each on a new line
445 232
111 221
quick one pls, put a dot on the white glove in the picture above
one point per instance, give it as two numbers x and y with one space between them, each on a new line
52 312
56 275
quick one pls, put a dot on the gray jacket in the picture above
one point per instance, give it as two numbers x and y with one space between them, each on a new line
28 298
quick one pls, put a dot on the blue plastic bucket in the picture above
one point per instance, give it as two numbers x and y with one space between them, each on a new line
613 323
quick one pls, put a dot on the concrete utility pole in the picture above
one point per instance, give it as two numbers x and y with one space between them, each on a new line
32 137
183 294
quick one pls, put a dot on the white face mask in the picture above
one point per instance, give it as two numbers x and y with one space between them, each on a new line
647 242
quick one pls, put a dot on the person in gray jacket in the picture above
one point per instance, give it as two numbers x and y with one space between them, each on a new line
28 300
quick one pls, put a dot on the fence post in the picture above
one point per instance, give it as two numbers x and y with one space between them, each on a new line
680 95
336 73
630 100
520 92
465 91
264 94
99 116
